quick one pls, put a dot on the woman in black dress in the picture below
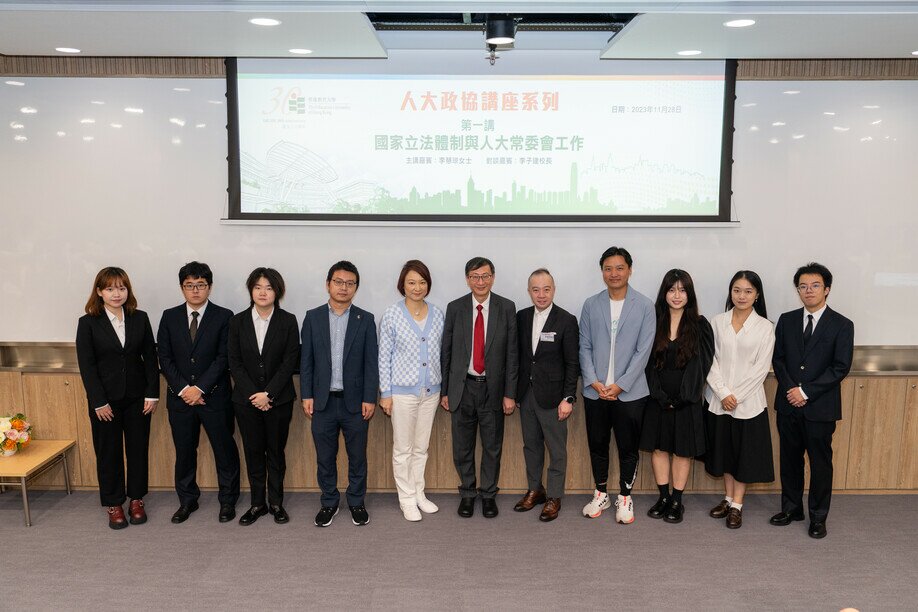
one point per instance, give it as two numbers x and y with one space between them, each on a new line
673 427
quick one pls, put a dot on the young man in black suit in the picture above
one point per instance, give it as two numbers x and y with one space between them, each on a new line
814 346
192 345
479 359
549 367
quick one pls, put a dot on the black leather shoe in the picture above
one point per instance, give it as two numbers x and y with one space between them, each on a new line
674 512
657 510
227 512
466 507
181 515
280 515
783 519
817 530
488 507
251 515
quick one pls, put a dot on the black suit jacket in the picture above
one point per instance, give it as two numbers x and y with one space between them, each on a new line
819 368
501 350
552 371
111 372
203 363
694 377
271 370
360 363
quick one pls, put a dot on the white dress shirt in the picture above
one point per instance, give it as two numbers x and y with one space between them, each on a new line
615 309
484 313
261 326
189 310
741 363
538 324
816 316
117 324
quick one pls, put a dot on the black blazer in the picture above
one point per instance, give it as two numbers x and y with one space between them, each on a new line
111 372
501 350
819 368
271 370
360 363
552 371
695 376
203 363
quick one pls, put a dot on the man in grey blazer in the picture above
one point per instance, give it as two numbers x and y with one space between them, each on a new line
479 360
617 328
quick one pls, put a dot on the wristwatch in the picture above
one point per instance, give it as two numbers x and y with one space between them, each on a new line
570 399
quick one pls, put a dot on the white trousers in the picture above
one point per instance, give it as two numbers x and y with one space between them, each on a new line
412 420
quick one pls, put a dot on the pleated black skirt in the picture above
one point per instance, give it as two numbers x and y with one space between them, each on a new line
679 431
739 447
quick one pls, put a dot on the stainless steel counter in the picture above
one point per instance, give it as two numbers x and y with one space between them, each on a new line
61 357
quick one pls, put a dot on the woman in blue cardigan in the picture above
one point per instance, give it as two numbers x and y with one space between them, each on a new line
410 333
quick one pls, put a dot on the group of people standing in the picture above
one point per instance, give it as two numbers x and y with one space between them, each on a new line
657 376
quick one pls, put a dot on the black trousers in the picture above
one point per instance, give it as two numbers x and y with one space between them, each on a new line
264 438
217 419
126 436
797 436
471 418
624 419
542 429
326 426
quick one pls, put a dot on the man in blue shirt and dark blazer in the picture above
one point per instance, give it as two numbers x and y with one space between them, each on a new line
192 346
339 379
814 346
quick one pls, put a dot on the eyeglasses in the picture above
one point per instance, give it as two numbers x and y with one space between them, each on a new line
804 288
195 286
478 278
343 283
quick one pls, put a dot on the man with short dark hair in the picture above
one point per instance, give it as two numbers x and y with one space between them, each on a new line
479 360
192 346
814 347
339 378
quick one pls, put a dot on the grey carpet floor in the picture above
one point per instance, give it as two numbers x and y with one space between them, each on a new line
70 560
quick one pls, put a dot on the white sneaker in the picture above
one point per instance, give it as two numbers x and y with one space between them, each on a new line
624 510
411 513
599 503
425 504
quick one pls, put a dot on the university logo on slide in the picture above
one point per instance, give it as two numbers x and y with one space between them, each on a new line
296 104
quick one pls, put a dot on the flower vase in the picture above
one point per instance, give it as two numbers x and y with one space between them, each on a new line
8 453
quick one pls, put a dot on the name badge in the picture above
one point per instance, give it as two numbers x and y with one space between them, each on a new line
547 336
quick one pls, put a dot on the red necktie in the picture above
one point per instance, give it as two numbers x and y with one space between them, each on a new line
478 343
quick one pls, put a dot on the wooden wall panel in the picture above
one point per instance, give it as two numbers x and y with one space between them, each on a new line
908 458
826 69
49 399
188 67
11 400
879 410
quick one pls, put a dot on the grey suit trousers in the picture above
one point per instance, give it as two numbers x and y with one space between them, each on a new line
541 429
471 417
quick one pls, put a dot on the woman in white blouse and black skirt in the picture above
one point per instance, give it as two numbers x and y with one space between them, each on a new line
739 438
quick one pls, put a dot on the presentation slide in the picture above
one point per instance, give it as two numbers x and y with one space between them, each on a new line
480 146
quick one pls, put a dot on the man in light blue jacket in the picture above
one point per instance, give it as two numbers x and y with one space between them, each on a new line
617 328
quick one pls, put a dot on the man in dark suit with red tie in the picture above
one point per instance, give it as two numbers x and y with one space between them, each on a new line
549 367
814 346
192 346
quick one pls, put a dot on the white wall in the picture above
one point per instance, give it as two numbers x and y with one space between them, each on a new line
132 197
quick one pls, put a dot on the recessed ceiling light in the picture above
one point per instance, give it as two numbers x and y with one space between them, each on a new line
97 102
839 128
20 138
792 92
877 122
264 21
28 110
180 89
87 121
200 125
798 136
15 83
753 128
739 23
914 52
778 123
215 101
774 141
866 138
748 104
133 109
62 134
176 140
117 126
301 51
829 113
88 138
66 50
177 121
16 125
871 106
688 52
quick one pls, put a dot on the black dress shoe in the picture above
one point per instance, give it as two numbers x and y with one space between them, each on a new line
181 515
227 512
488 507
674 512
817 530
657 510
466 507
782 519
280 515
251 515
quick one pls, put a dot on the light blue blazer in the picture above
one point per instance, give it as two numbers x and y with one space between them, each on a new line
633 343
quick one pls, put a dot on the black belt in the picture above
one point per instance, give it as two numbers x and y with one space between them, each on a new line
478 379
338 394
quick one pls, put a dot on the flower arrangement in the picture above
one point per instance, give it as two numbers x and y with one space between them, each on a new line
15 434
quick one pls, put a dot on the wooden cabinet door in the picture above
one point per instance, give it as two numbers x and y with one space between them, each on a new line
876 432
51 401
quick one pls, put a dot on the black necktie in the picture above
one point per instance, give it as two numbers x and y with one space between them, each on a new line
808 332
194 324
